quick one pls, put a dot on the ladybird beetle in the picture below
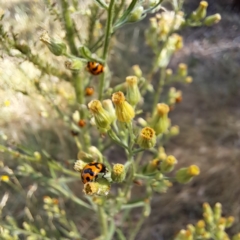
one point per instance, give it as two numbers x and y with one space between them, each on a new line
95 68
92 171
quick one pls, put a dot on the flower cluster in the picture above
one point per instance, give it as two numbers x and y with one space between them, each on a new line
212 224
114 117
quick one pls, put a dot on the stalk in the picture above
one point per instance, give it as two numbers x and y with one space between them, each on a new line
106 45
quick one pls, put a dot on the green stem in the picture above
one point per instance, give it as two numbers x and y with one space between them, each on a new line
79 89
71 196
118 10
131 175
108 33
103 221
69 27
159 88
17 154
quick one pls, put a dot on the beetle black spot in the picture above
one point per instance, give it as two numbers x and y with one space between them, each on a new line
89 171
88 179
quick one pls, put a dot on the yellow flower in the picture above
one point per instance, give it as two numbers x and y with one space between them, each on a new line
230 221
185 175
182 70
188 79
160 121
102 117
124 111
146 138
213 19
193 170
118 173
137 71
101 187
7 103
152 166
201 10
168 164
108 106
4 178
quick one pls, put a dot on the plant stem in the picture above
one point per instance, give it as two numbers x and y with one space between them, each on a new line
103 221
79 88
159 88
108 33
69 27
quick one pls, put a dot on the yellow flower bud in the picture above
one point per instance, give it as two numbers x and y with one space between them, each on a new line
147 208
213 19
161 153
191 228
118 173
86 157
76 116
201 10
146 138
57 47
193 170
220 233
37 156
137 71
229 222
152 166
188 79
98 200
169 74
97 155
160 121
102 118
182 70
221 222
184 235
142 122
217 211
174 131
124 111
161 186
136 14
133 94
108 105
168 164
101 187
200 227
185 175
179 42
208 213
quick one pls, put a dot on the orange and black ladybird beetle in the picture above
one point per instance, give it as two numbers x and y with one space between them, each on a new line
95 68
92 171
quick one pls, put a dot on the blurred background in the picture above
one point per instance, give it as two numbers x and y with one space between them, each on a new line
208 116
